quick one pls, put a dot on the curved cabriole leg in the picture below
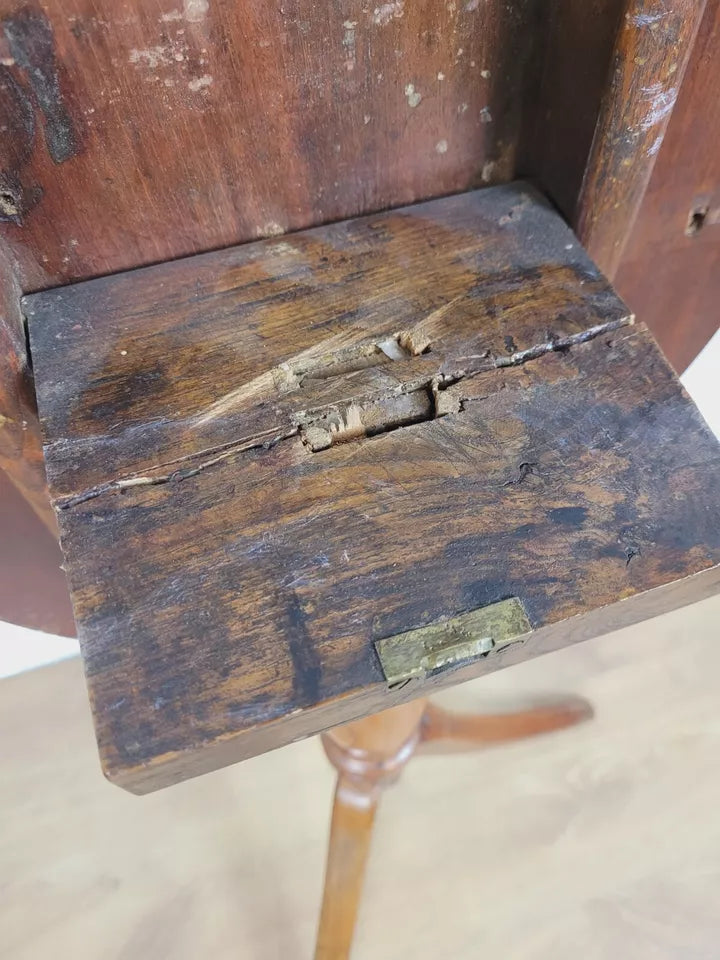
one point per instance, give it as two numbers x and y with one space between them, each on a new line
370 755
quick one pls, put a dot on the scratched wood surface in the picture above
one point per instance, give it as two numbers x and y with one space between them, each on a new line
266 458
194 124
137 132
679 221
652 49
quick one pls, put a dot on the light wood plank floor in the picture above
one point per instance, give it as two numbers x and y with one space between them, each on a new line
601 843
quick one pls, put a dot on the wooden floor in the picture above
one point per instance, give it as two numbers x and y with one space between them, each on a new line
601 843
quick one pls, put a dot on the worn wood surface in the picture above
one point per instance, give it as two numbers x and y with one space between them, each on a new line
678 225
194 124
140 132
652 49
564 107
229 582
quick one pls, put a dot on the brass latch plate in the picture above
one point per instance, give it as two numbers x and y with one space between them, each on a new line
416 653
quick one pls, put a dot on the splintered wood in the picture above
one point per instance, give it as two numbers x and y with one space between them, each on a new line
266 460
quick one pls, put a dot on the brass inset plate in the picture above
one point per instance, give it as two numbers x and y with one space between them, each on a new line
416 653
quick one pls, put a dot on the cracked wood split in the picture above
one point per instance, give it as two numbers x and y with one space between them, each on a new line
412 402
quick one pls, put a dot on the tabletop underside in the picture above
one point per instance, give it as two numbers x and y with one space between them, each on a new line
266 459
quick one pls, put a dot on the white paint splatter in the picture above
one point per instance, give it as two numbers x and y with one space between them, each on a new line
151 57
485 115
413 97
387 12
487 171
349 43
462 108
366 119
7 61
200 83
441 146
653 149
661 103
472 5
485 74
270 229
441 76
645 19
171 15
196 10
283 249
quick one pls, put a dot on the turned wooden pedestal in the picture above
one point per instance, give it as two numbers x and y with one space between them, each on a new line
370 755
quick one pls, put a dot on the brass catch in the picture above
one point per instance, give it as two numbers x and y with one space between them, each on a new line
416 653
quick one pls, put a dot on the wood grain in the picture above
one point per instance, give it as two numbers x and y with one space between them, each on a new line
563 113
140 132
229 583
194 125
678 224
652 50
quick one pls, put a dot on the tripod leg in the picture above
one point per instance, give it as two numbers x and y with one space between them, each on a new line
443 730
369 755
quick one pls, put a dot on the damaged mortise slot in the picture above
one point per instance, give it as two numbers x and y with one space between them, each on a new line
410 403
422 401
417 653
368 419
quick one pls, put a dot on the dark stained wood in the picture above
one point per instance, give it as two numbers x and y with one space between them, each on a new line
229 583
154 130
195 125
20 443
564 111
670 271
138 132
652 50
33 589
